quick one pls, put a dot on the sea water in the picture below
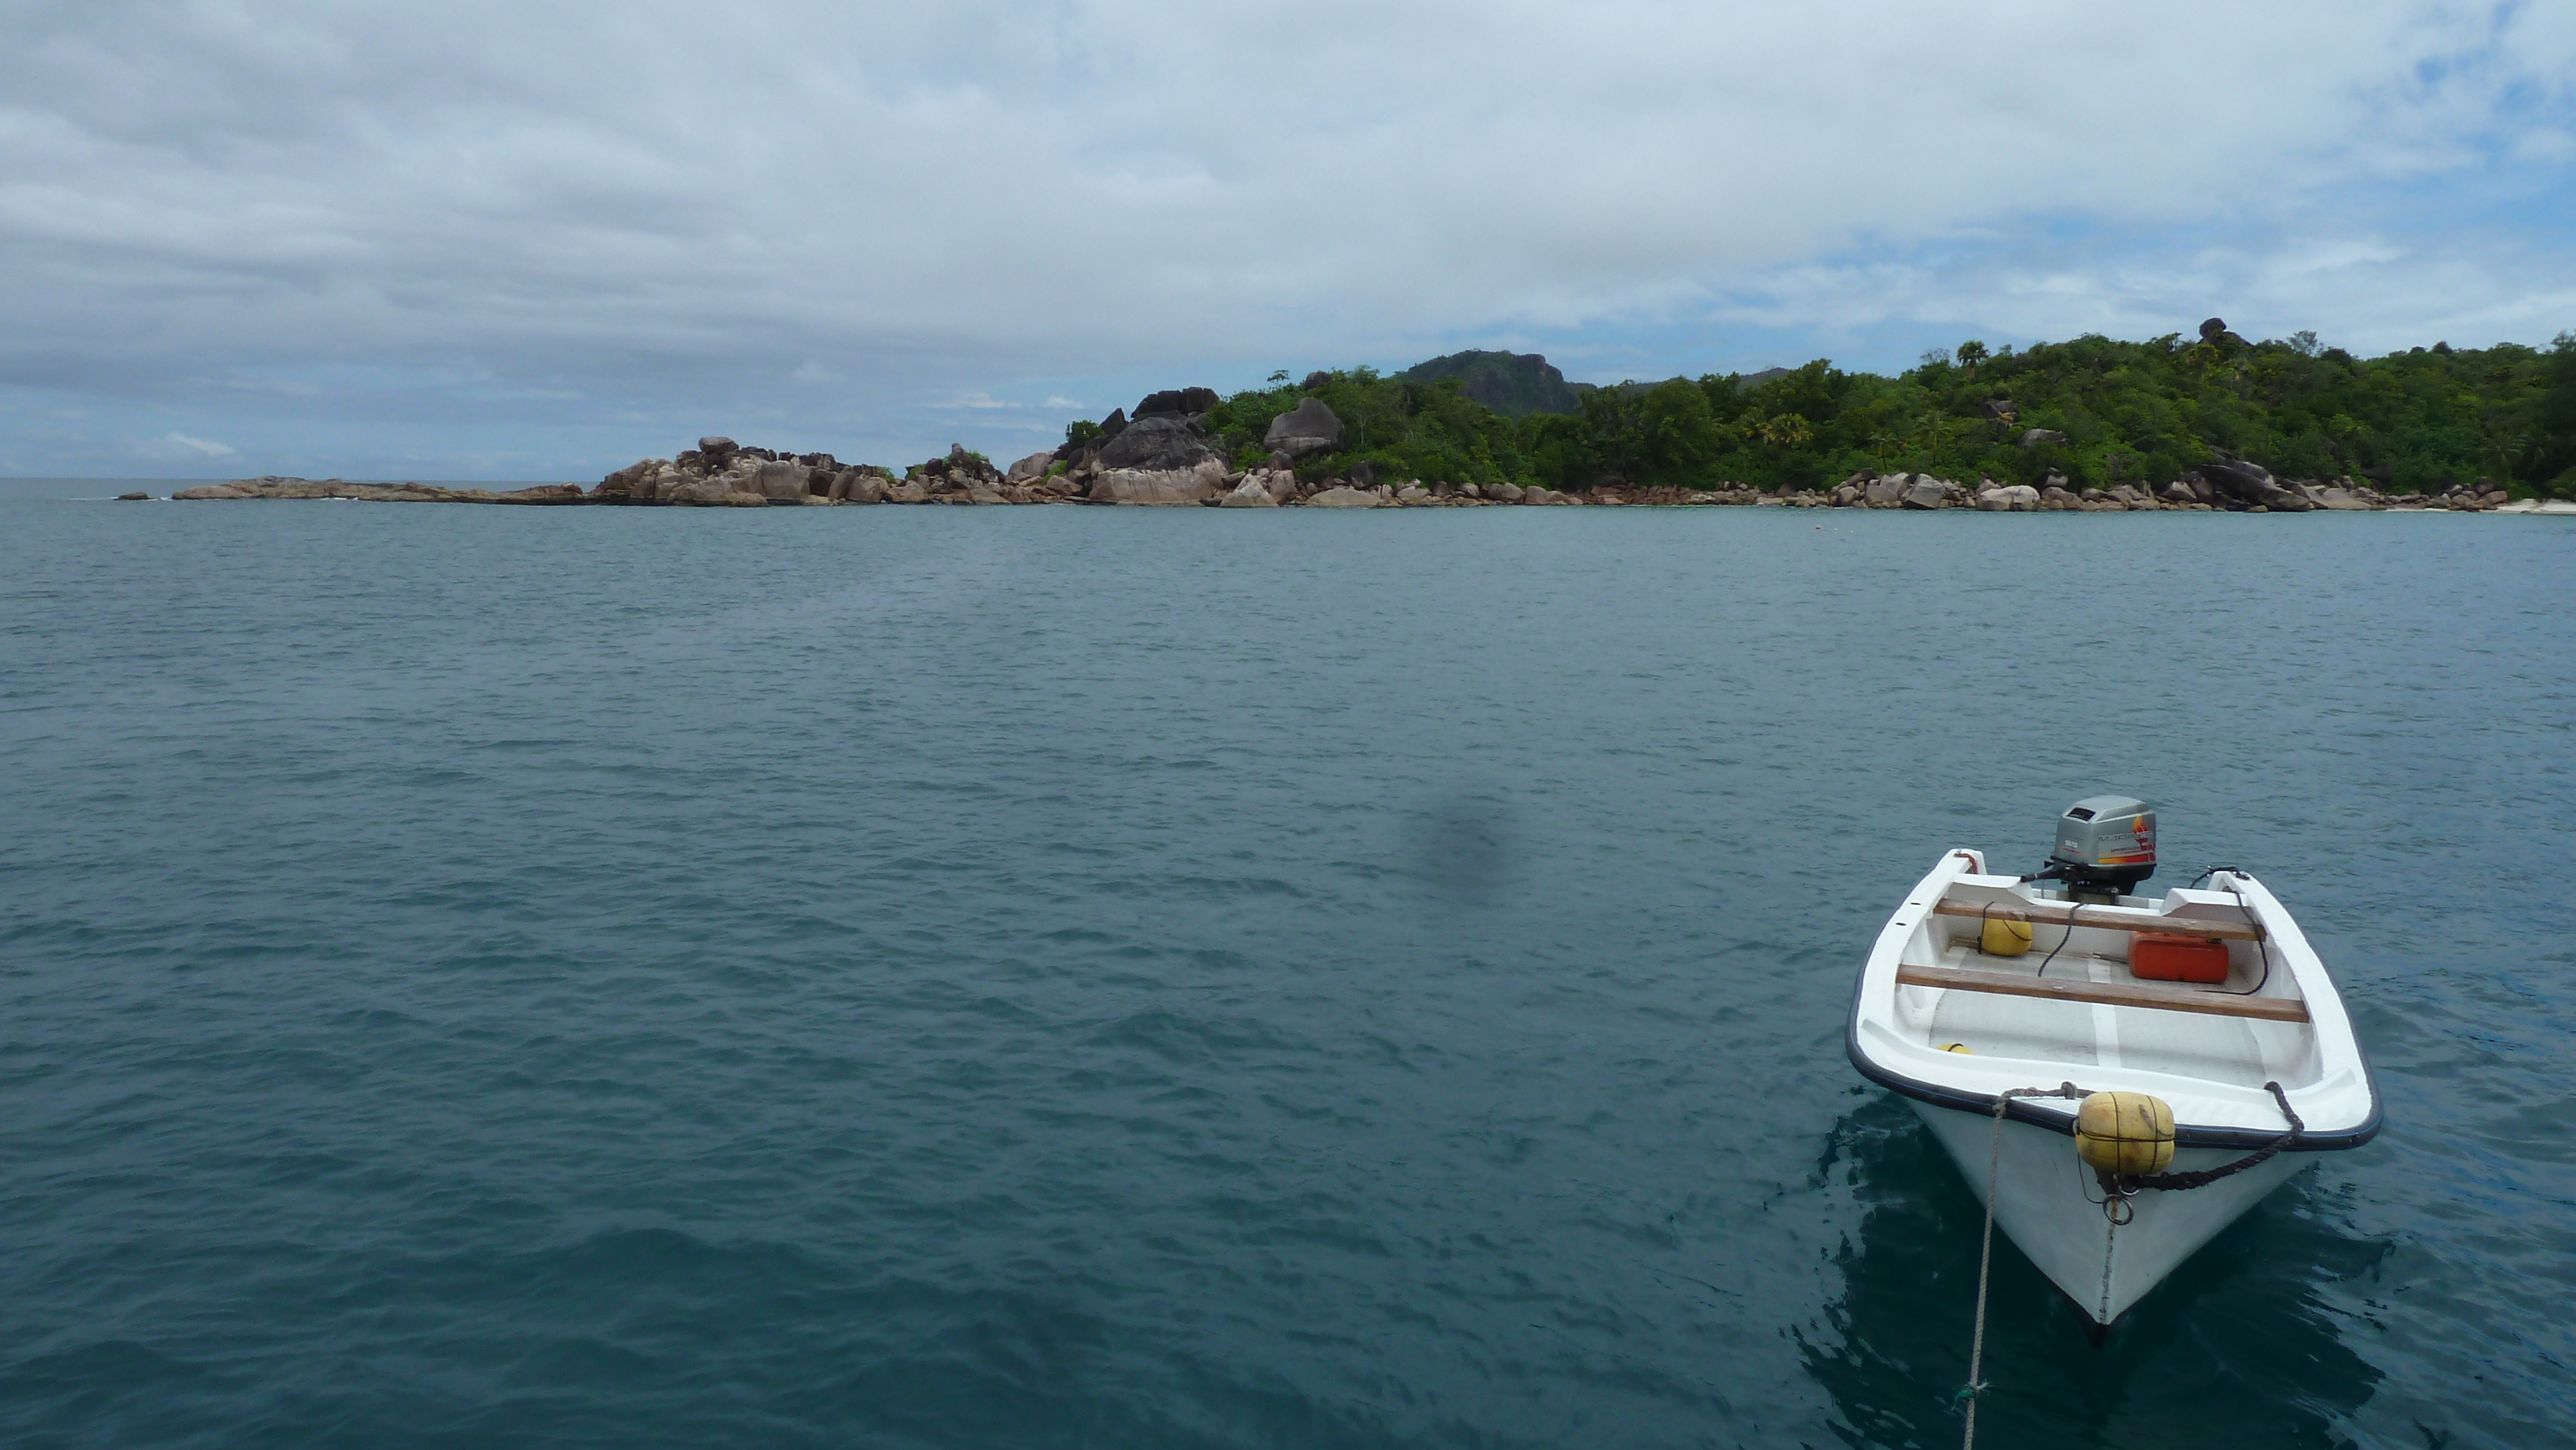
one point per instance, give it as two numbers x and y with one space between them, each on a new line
1129 977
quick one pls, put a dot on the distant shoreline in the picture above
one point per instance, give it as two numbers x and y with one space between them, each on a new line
1217 490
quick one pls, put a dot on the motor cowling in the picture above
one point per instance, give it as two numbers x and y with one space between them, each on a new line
2106 844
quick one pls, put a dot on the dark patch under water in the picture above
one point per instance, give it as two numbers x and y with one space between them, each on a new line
1179 978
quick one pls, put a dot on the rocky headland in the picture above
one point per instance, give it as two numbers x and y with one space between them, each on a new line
1162 457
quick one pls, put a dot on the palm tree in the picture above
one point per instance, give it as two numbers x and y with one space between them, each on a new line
1971 353
2506 452
1785 431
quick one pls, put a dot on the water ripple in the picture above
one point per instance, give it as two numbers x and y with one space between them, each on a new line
921 977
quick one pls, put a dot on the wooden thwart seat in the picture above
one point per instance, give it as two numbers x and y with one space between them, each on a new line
2116 918
2113 994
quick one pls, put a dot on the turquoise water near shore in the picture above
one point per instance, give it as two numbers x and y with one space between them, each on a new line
1194 978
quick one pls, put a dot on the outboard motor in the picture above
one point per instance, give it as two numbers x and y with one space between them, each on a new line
2106 845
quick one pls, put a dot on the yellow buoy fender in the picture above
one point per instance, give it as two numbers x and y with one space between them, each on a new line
2127 1134
2005 936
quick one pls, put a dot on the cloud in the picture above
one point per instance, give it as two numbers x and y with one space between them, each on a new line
2546 144
2368 292
573 221
180 445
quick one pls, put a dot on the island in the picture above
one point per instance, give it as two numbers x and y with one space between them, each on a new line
2088 425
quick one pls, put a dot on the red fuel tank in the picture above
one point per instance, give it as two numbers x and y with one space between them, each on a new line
2158 957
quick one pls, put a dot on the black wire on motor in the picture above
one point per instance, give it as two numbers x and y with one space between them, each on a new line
2262 943
2064 936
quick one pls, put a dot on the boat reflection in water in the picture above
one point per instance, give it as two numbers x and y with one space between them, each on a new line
2236 1349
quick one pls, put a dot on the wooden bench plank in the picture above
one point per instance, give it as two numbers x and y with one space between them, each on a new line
2117 918
2115 994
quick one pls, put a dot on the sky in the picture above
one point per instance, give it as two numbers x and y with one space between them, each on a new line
533 240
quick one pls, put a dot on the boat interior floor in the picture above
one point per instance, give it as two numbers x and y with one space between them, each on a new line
2217 1049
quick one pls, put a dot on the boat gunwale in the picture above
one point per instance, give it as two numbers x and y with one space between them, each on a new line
2062 1121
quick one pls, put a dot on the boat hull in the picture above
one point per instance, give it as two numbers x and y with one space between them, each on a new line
2048 1203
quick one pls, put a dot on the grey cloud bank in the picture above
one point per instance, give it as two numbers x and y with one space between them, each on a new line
520 240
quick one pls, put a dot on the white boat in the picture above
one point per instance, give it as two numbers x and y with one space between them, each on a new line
1954 1028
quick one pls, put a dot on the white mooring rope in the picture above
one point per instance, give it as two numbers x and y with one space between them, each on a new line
1976 1384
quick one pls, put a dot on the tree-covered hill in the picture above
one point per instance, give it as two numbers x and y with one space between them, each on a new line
1514 384
2098 411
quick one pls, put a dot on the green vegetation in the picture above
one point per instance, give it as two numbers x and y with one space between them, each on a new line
1402 429
2131 412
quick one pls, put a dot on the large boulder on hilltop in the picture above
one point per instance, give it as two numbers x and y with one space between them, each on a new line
1158 444
2214 332
717 451
1177 403
1310 427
